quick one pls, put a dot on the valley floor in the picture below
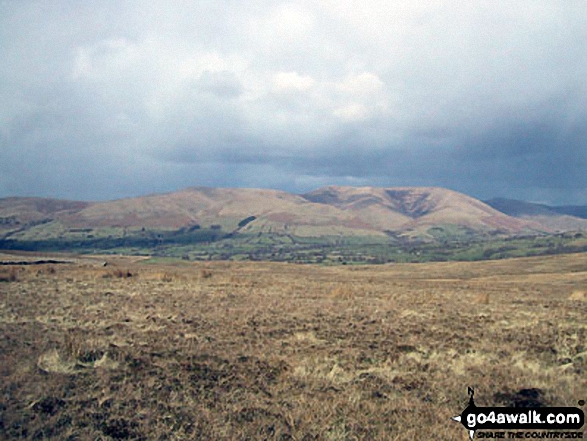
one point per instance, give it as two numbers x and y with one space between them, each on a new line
245 350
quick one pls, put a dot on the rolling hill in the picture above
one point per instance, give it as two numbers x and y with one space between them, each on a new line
416 209
328 211
556 219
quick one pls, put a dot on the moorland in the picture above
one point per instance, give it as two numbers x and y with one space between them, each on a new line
169 349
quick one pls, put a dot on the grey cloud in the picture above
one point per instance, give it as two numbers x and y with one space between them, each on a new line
107 99
223 84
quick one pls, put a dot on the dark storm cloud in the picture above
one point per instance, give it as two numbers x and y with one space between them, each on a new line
110 99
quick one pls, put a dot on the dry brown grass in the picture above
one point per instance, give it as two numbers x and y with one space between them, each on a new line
9 274
275 351
578 295
205 273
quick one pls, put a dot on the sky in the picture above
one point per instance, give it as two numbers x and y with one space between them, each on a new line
107 99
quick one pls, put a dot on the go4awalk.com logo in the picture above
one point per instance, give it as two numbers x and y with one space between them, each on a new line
501 419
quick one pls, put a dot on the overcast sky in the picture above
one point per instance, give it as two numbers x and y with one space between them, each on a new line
108 99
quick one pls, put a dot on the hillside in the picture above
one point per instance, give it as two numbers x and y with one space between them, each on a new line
556 219
329 225
418 209
346 211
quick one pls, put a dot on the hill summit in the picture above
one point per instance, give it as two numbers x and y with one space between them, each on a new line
328 211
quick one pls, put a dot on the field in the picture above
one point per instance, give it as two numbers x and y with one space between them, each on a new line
167 350
201 244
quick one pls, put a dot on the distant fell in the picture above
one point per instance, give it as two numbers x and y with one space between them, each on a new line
418 208
328 211
557 219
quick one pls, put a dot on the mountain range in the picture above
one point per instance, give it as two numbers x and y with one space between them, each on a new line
329 211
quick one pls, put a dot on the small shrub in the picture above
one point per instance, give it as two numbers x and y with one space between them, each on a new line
205 273
10 276
121 274
167 277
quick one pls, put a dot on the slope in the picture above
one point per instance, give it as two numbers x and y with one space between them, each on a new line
418 208
329 211
556 219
